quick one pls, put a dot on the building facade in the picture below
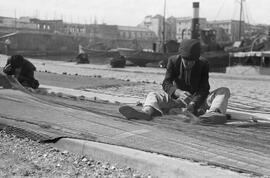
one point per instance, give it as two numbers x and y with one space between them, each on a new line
74 29
136 37
171 33
51 26
164 30
131 33
147 35
184 25
14 23
153 23
231 27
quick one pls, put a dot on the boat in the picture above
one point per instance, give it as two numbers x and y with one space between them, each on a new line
140 57
252 53
98 56
254 43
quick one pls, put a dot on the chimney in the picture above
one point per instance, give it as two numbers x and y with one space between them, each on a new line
195 27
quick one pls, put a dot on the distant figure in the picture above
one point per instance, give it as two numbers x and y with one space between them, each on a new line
186 88
118 62
81 51
22 69
82 58
7 45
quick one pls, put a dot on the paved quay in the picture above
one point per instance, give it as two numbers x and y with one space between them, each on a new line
249 92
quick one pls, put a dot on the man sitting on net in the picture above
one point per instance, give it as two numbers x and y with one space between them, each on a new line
23 70
186 87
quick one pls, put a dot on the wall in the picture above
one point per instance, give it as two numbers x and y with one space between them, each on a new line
6 22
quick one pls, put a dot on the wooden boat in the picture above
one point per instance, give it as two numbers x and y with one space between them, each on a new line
141 57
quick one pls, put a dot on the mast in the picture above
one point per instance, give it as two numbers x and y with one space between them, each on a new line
94 31
240 24
164 28
15 20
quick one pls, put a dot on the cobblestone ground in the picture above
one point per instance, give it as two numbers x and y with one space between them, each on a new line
251 95
248 95
247 92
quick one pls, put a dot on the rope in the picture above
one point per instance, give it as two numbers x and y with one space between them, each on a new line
234 12
220 9
248 14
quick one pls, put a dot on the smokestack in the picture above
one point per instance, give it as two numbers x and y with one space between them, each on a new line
195 21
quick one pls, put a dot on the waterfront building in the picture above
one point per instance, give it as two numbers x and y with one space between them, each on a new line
231 27
183 27
159 27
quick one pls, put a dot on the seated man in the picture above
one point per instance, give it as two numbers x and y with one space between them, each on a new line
22 69
185 86
7 45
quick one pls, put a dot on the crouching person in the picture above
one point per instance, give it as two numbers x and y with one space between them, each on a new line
23 70
185 87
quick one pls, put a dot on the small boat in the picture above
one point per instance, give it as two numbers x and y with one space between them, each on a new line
99 56
141 57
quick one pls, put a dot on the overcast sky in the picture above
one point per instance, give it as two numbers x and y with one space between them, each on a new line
132 12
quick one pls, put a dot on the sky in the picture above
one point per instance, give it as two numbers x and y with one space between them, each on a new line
132 12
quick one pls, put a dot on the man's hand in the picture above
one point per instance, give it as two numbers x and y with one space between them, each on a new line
191 108
178 93
183 96
8 69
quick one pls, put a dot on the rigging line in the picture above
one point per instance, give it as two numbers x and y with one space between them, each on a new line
220 9
249 13
167 11
245 12
243 19
234 11
251 16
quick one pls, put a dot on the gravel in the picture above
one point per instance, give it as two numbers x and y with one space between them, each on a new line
27 158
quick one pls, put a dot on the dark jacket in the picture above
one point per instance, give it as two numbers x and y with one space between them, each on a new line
26 76
199 84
